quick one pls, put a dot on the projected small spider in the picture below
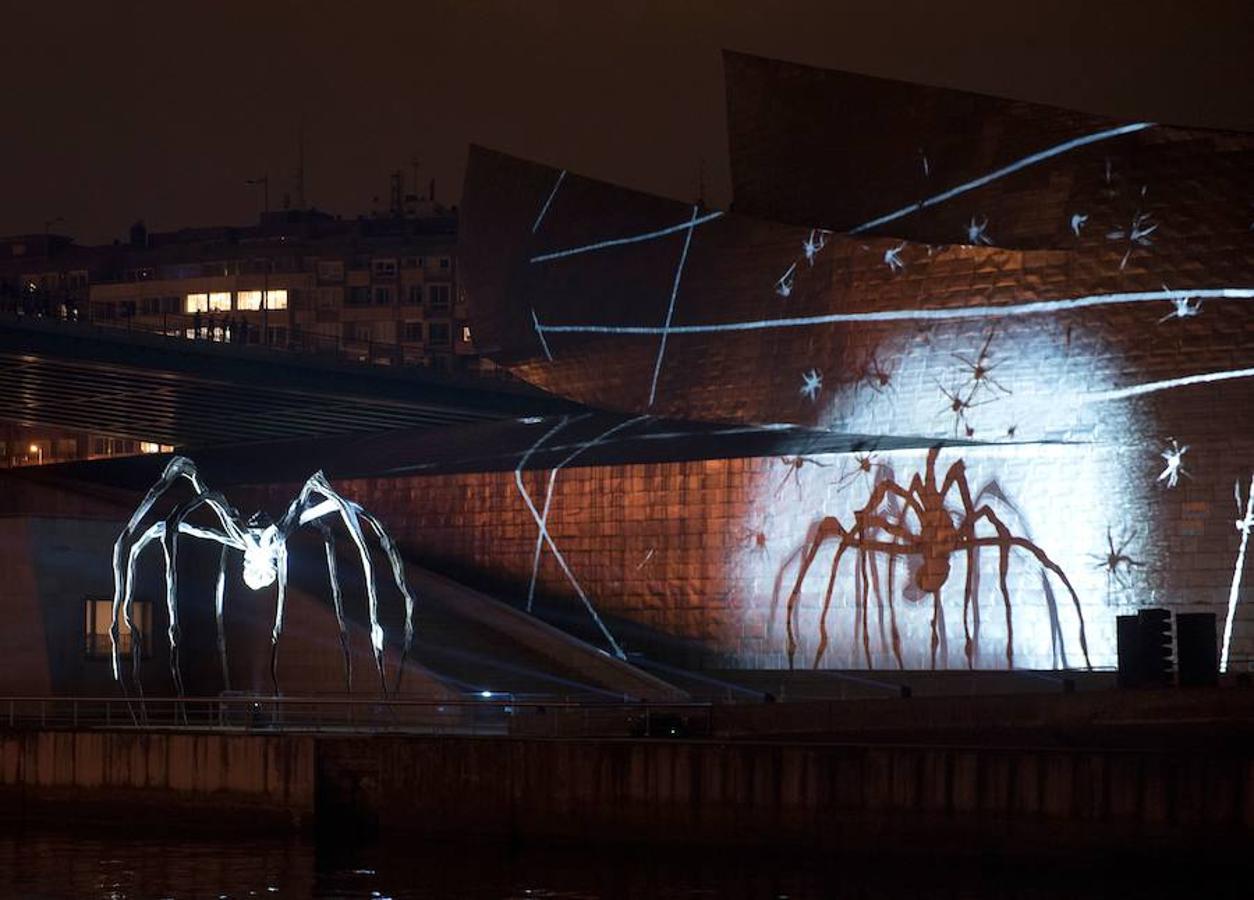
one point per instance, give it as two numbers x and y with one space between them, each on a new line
754 537
1173 463
794 465
1181 308
1136 234
814 243
981 370
1078 221
811 384
941 532
874 374
1117 564
865 466
977 232
783 287
892 257
263 544
960 406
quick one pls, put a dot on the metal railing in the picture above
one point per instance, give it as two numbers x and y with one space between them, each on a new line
500 715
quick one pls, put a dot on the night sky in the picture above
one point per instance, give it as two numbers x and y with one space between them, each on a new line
116 111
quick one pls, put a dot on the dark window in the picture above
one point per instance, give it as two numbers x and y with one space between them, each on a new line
414 294
438 297
382 295
359 295
439 335
413 332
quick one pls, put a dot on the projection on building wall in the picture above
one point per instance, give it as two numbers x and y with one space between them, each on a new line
918 523
263 546
1075 360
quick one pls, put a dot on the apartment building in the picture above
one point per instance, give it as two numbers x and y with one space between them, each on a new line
380 290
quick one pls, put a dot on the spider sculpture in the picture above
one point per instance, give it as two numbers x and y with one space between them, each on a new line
883 527
263 544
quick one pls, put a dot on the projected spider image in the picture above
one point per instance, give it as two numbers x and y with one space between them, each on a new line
263 546
926 523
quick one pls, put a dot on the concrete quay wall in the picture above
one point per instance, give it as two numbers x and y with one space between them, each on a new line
817 795
175 776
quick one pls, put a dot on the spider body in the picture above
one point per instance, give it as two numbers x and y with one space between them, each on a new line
927 522
262 544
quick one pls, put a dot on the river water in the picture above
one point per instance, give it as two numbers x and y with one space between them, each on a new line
38 861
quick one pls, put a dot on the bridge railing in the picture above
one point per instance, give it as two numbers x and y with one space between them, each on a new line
500 714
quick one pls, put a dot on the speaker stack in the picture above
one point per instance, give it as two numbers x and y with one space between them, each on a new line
1144 643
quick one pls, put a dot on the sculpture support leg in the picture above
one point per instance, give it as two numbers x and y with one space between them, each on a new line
218 596
301 513
169 543
279 602
337 599
155 532
398 573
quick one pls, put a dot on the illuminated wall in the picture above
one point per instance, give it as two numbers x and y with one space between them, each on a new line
1076 334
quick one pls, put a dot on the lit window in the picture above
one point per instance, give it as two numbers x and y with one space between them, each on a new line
276 299
97 617
220 301
466 334
153 447
197 303
248 300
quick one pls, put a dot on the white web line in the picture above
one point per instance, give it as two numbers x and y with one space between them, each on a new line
633 239
670 310
544 209
1023 163
1038 307
541 520
1234 592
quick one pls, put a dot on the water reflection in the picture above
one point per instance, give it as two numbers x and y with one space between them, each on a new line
44 862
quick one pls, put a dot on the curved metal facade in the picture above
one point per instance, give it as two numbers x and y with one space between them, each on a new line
1074 295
